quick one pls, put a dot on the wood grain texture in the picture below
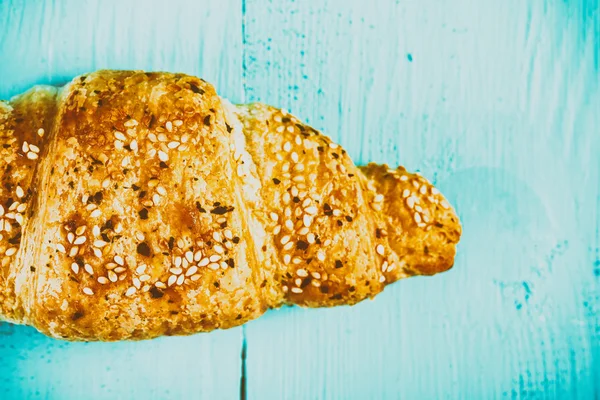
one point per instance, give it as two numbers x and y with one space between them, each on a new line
51 42
497 102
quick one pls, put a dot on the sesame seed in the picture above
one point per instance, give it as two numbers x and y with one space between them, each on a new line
406 193
144 278
382 279
417 218
40 132
320 255
316 275
172 280
380 249
130 292
112 276
301 273
310 238
102 280
445 204
96 232
434 191
162 156
296 290
204 262
219 249
280 128
60 248
32 155
276 230
25 147
110 265
88 268
378 198
80 231
75 268
180 243
1 210
119 260
298 140
80 240
214 266
286 198
223 265
97 253
307 220
274 216
119 270
169 126
120 136
298 281
303 231
34 148
287 146
312 210
333 145
176 271
217 237
194 278
19 219
197 256
173 145
287 258
285 239
294 157
191 271
289 224
290 128
288 246
20 192
96 213
88 291
160 285
285 167
180 280
214 258
410 202
14 206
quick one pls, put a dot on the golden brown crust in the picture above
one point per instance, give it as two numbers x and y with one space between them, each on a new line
156 208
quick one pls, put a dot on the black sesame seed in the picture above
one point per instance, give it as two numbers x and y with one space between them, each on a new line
142 194
378 233
199 207
276 181
143 249
301 245
231 263
217 284
338 264
236 240
335 155
220 210
336 296
135 187
305 282
196 89
296 199
32 269
143 213
229 129
105 237
171 242
207 120
340 223
156 293
97 198
348 218
320 148
324 289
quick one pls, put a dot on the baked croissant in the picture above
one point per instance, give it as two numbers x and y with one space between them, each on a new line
135 205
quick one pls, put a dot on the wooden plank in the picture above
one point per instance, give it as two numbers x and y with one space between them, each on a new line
498 103
51 42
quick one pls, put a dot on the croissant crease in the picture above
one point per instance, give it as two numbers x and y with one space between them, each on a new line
135 205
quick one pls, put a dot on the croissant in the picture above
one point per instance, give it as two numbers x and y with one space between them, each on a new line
135 205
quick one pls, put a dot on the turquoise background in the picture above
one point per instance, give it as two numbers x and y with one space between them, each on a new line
498 102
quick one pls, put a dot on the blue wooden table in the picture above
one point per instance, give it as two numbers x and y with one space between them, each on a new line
498 102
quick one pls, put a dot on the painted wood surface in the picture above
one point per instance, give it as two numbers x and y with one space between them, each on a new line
497 102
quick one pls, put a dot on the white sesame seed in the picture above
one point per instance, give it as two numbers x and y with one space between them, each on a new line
219 249
274 216
112 276
119 260
40 132
120 136
285 167
19 219
61 248
214 258
172 280
100 243
169 126
417 218
288 246
294 157
434 191
25 147
280 128
301 272
102 280
197 256
119 270
191 271
80 240
20 192
333 145
276 230
160 285
320 255
289 225
97 253
204 262
290 128
34 148
378 198
141 269
96 231
176 271
382 278
285 239
287 258
144 278
162 156
96 213
1 210
303 231
81 230
180 280
223 265
32 156
316 275
88 291
310 238
445 204
296 290
406 193
286 198
380 249
75 268
298 281
14 206
384 266
194 278
312 210
130 292
214 266
287 146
